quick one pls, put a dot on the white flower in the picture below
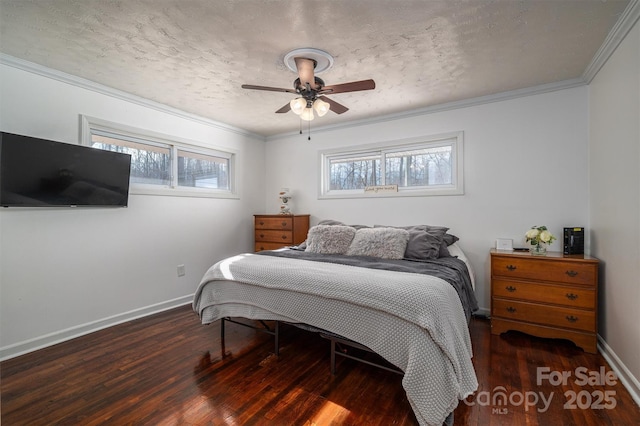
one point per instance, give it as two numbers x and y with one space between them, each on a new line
545 236
531 234
539 234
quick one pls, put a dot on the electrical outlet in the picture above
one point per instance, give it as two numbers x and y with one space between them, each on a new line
181 270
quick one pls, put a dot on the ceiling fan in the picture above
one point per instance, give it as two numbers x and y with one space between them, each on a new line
311 90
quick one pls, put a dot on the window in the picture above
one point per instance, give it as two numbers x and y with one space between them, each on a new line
163 166
416 167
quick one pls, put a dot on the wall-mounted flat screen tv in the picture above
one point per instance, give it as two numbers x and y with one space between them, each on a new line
42 173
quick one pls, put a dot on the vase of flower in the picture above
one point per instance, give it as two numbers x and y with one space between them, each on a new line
538 250
539 237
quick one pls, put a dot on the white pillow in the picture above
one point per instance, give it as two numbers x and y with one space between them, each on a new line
386 243
329 239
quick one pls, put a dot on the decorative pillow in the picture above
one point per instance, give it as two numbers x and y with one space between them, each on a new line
330 222
447 240
425 241
329 239
450 239
335 222
386 243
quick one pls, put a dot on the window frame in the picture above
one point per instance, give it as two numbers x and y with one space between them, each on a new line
175 144
453 139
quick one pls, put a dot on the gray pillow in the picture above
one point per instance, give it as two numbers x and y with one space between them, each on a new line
330 222
329 239
425 242
386 243
336 222
450 239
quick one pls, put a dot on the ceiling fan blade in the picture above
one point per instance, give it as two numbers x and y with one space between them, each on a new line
270 89
335 107
305 71
285 108
354 86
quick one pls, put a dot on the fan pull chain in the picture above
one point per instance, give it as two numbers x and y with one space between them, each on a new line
300 125
309 130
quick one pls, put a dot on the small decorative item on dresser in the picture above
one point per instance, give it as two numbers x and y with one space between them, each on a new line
539 237
284 196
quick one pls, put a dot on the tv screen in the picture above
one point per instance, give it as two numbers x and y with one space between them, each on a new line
41 173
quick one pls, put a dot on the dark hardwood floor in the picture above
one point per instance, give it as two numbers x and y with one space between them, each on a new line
168 369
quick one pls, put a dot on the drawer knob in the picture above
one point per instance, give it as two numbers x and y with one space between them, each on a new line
571 296
571 273
511 309
284 237
511 267
510 289
261 235
261 223
571 318
284 224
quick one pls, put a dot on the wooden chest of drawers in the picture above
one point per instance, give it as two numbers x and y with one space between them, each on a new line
279 230
552 296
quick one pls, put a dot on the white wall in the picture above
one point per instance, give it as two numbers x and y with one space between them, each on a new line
67 271
525 164
614 98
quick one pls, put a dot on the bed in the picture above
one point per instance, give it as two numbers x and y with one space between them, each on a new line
405 293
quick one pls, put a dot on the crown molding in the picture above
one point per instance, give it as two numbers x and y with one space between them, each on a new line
83 83
628 19
625 23
464 103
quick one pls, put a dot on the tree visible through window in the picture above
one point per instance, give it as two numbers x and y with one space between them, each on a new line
432 166
354 173
149 164
160 165
202 171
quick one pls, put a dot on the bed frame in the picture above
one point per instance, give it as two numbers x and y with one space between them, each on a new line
339 345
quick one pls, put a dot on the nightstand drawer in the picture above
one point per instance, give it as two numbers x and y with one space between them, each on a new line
542 314
545 270
574 297
283 222
274 236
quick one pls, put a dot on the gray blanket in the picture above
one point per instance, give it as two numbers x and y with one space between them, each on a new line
451 269
415 321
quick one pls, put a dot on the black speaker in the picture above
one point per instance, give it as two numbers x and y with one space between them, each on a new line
574 240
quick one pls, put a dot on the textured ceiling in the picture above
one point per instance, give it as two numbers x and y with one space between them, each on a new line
194 54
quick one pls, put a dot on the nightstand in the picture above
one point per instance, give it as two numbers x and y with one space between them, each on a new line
553 296
279 230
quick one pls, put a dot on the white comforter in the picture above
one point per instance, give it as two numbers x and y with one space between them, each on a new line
414 321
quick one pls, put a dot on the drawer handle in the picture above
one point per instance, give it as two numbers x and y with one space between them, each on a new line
261 235
511 267
571 296
284 224
511 309
571 318
284 237
510 289
571 273
261 223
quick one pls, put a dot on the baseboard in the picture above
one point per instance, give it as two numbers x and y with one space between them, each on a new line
483 312
56 337
625 376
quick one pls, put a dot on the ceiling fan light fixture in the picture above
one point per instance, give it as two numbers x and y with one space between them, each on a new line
298 105
307 114
321 107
